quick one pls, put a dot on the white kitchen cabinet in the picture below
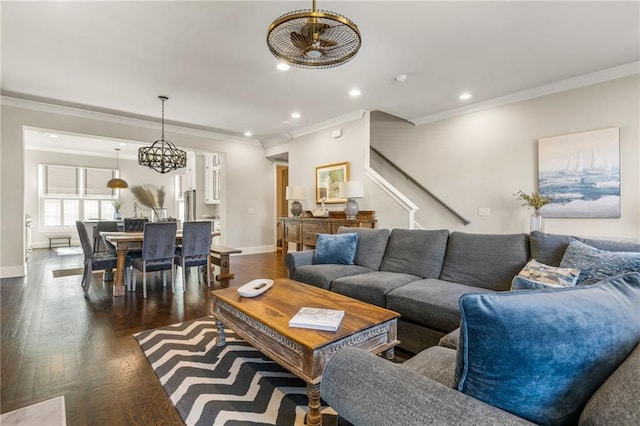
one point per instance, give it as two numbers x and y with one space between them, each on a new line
189 181
212 169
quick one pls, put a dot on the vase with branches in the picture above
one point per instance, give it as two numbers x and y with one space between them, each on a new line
537 201
152 197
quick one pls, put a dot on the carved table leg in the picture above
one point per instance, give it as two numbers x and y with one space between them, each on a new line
221 337
121 261
389 354
314 417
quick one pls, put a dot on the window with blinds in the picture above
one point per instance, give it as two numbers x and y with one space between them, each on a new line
71 193
60 181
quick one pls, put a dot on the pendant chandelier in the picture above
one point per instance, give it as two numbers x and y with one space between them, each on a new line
117 182
313 38
162 156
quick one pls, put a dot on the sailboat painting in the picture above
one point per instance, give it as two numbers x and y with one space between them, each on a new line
581 171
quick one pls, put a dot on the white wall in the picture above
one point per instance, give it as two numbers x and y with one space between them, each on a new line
248 176
320 148
480 159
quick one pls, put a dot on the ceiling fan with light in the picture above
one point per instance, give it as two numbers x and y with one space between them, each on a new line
313 38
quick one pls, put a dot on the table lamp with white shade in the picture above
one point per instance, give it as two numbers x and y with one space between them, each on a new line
295 194
350 190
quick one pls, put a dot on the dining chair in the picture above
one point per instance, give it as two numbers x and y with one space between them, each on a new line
93 261
134 224
102 226
196 244
158 251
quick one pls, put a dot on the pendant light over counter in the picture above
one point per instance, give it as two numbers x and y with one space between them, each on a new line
162 156
117 183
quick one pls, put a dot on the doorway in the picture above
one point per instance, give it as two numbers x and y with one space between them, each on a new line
282 181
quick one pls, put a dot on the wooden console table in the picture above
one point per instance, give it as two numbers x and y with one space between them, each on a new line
302 230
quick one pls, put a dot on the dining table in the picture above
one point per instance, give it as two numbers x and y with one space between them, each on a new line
123 242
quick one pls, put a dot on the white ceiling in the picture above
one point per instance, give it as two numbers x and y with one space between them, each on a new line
210 57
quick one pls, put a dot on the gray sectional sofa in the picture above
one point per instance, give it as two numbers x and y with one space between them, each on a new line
422 273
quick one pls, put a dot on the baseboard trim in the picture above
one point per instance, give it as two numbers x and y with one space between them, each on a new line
13 271
256 250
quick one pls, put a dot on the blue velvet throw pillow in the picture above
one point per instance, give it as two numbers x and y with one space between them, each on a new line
541 354
335 248
594 263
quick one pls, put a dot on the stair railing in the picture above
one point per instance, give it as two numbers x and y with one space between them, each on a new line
419 185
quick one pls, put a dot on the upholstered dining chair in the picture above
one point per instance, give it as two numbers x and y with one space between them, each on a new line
93 261
196 244
102 226
134 224
158 251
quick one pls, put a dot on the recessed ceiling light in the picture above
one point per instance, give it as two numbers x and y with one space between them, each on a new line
283 67
295 115
401 77
247 134
465 96
355 92
122 144
52 135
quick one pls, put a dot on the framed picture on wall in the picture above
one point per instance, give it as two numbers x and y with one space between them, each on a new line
581 172
328 178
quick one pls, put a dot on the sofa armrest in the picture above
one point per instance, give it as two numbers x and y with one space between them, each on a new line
367 390
295 259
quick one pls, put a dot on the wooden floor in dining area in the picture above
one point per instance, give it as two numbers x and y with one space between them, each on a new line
57 342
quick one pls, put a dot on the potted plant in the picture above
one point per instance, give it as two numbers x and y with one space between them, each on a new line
116 205
535 200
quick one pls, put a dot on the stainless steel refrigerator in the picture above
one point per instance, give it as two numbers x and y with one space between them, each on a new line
190 205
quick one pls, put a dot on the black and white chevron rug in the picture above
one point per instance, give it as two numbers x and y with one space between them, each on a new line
229 385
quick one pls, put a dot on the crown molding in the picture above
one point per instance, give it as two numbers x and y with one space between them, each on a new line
119 119
333 122
547 89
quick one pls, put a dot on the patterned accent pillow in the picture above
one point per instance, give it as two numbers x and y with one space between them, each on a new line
537 275
594 263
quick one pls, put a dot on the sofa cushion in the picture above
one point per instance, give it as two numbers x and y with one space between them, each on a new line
372 244
322 275
371 287
617 398
335 248
450 340
415 251
430 303
436 363
595 263
549 248
542 354
485 260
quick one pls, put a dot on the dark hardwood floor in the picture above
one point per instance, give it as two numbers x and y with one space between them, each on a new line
57 342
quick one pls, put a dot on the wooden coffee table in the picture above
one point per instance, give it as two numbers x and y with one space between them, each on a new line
263 321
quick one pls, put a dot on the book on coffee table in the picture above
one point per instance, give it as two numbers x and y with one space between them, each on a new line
317 319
